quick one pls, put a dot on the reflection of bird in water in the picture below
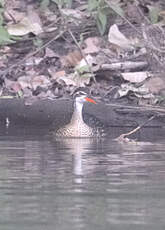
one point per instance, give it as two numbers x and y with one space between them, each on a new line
77 127
80 149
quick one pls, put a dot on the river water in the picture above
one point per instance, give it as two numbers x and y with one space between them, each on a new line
64 184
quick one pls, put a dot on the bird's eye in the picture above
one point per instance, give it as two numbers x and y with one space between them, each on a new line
82 93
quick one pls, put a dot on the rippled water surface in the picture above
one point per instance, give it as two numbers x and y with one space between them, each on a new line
48 184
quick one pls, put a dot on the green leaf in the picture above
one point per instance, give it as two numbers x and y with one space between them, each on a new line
101 21
68 3
20 93
2 3
60 3
82 69
153 14
93 4
5 38
1 16
44 4
117 9
38 42
87 75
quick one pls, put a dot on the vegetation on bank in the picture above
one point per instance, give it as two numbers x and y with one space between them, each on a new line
113 47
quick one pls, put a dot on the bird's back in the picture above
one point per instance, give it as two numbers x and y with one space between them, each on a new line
75 129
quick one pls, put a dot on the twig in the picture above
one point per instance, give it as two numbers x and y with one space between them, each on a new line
77 44
147 108
109 4
124 135
124 65
146 20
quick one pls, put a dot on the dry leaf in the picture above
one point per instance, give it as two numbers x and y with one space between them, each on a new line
50 53
74 80
49 15
162 13
117 38
15 86
29 24
33 61
56 75
135 77
33 82
25 82
133 14
89 60
79 78
10 4
41 81
72 13
155 85
24 27
72 59
13 13
20 29
141 92
34 19
68 80
92 45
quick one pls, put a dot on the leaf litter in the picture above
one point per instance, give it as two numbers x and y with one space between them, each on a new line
60 62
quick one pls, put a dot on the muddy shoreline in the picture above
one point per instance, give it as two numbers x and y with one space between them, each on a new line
58 112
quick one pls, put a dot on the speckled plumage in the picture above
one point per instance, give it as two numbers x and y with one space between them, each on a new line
77 127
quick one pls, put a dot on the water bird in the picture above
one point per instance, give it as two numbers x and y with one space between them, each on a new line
77 127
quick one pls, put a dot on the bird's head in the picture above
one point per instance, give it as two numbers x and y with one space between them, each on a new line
81 96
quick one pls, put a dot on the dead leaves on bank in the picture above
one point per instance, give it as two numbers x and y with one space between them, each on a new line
22 19
119 55
81 74
83 66
29 23
30 82
117 38
92 45
135 77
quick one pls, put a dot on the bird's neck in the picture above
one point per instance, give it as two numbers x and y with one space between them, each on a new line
77 114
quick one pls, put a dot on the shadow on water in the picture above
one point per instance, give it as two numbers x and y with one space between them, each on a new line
80 183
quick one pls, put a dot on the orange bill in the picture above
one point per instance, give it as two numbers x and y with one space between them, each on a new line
90 100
